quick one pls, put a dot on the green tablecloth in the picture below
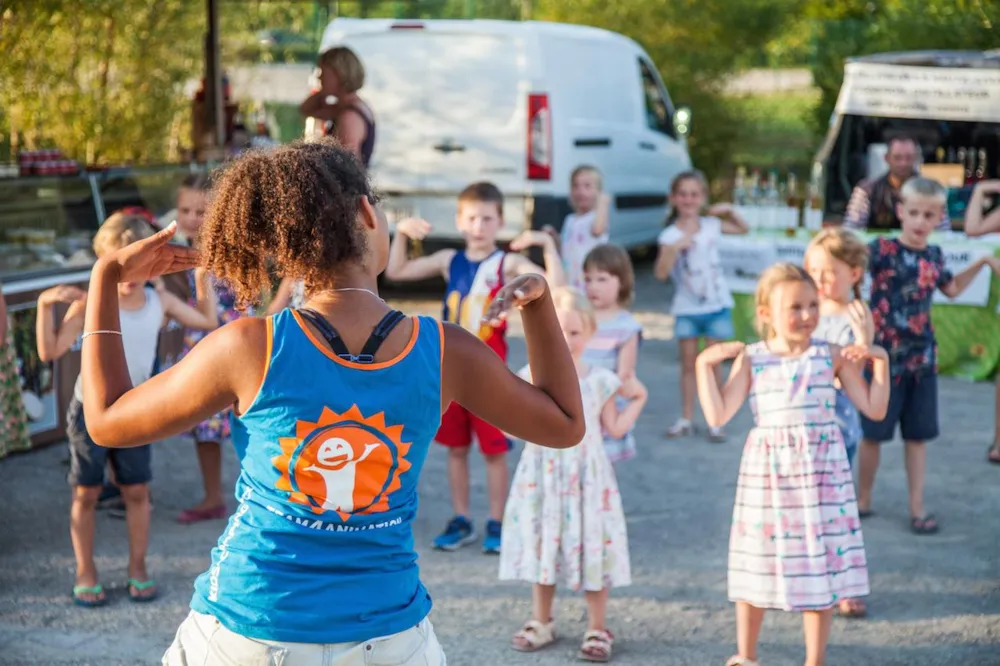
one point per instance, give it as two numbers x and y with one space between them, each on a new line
968 335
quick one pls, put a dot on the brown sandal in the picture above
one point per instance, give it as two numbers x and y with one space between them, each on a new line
596 646
852 608
993 453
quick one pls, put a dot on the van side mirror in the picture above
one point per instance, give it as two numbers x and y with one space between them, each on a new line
682 120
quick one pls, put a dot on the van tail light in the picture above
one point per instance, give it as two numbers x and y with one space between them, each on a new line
407 26
539 137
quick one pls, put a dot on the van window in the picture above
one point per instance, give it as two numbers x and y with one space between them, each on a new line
658 113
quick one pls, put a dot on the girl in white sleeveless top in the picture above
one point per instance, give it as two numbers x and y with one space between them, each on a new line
142 312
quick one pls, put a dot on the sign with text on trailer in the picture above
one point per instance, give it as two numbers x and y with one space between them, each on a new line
744 258
940 93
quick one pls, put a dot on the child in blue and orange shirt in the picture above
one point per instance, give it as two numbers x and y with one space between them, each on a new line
335 406
474 276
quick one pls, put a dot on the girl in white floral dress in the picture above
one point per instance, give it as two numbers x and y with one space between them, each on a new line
563 524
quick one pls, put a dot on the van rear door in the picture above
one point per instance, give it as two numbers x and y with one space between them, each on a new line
476 108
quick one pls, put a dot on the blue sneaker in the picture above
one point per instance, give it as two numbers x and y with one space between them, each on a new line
458 533
491 542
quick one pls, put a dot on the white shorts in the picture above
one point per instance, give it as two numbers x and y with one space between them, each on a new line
201 640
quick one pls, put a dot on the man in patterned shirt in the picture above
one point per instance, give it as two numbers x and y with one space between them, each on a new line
874 201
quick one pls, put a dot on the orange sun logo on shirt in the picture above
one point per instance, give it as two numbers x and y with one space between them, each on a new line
345 463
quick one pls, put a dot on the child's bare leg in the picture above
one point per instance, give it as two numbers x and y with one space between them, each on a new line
689 387
136 498
210 462
597 606
749 620
816 626
458 479
530 638
915 454
542 598
496 484
82 512
869 453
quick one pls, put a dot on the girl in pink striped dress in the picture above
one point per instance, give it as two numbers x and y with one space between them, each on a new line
610 282
795 542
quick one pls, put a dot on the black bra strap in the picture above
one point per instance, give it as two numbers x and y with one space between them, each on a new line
381 332
328 332
375 340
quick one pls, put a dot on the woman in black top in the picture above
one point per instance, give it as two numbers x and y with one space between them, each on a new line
350 120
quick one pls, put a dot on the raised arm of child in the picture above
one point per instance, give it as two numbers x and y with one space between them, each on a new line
862 322
732 221
871 400
956 285
548 411
628 356
977 224
52 344
403 269
517 264
602 216
667 255
618 423
206 316
720 405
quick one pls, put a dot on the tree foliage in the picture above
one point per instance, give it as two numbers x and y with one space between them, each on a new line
102 81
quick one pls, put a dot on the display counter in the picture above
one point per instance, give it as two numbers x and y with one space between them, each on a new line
967 328
46 228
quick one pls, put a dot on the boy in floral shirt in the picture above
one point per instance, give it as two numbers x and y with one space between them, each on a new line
905 273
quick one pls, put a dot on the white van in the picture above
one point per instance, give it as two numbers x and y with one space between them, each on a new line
520 104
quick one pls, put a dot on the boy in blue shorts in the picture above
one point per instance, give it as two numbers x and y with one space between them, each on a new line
905 273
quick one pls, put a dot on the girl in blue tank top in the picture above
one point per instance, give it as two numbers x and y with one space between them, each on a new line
334 407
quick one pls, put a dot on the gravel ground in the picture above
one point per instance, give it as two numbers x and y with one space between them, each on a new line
936 600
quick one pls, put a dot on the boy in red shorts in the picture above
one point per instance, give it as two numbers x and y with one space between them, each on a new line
474 276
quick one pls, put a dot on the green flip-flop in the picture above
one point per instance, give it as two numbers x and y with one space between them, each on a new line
96 590
141 586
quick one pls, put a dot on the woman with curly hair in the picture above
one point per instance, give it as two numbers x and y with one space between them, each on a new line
334 404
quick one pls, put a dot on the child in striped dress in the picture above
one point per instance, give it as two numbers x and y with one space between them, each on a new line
610 282
795 542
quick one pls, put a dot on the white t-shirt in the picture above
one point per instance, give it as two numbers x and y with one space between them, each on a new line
140 338
700 285
577 241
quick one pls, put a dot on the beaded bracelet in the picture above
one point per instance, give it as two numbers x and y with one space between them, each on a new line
84 336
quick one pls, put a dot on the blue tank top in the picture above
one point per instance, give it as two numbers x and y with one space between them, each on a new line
472 286
320 547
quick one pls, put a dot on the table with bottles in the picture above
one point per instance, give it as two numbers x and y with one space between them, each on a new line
967 328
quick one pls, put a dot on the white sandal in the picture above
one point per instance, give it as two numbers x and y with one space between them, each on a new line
596 646
534 636
681 428
737 660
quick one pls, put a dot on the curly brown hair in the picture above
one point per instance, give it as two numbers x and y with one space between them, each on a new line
295 206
